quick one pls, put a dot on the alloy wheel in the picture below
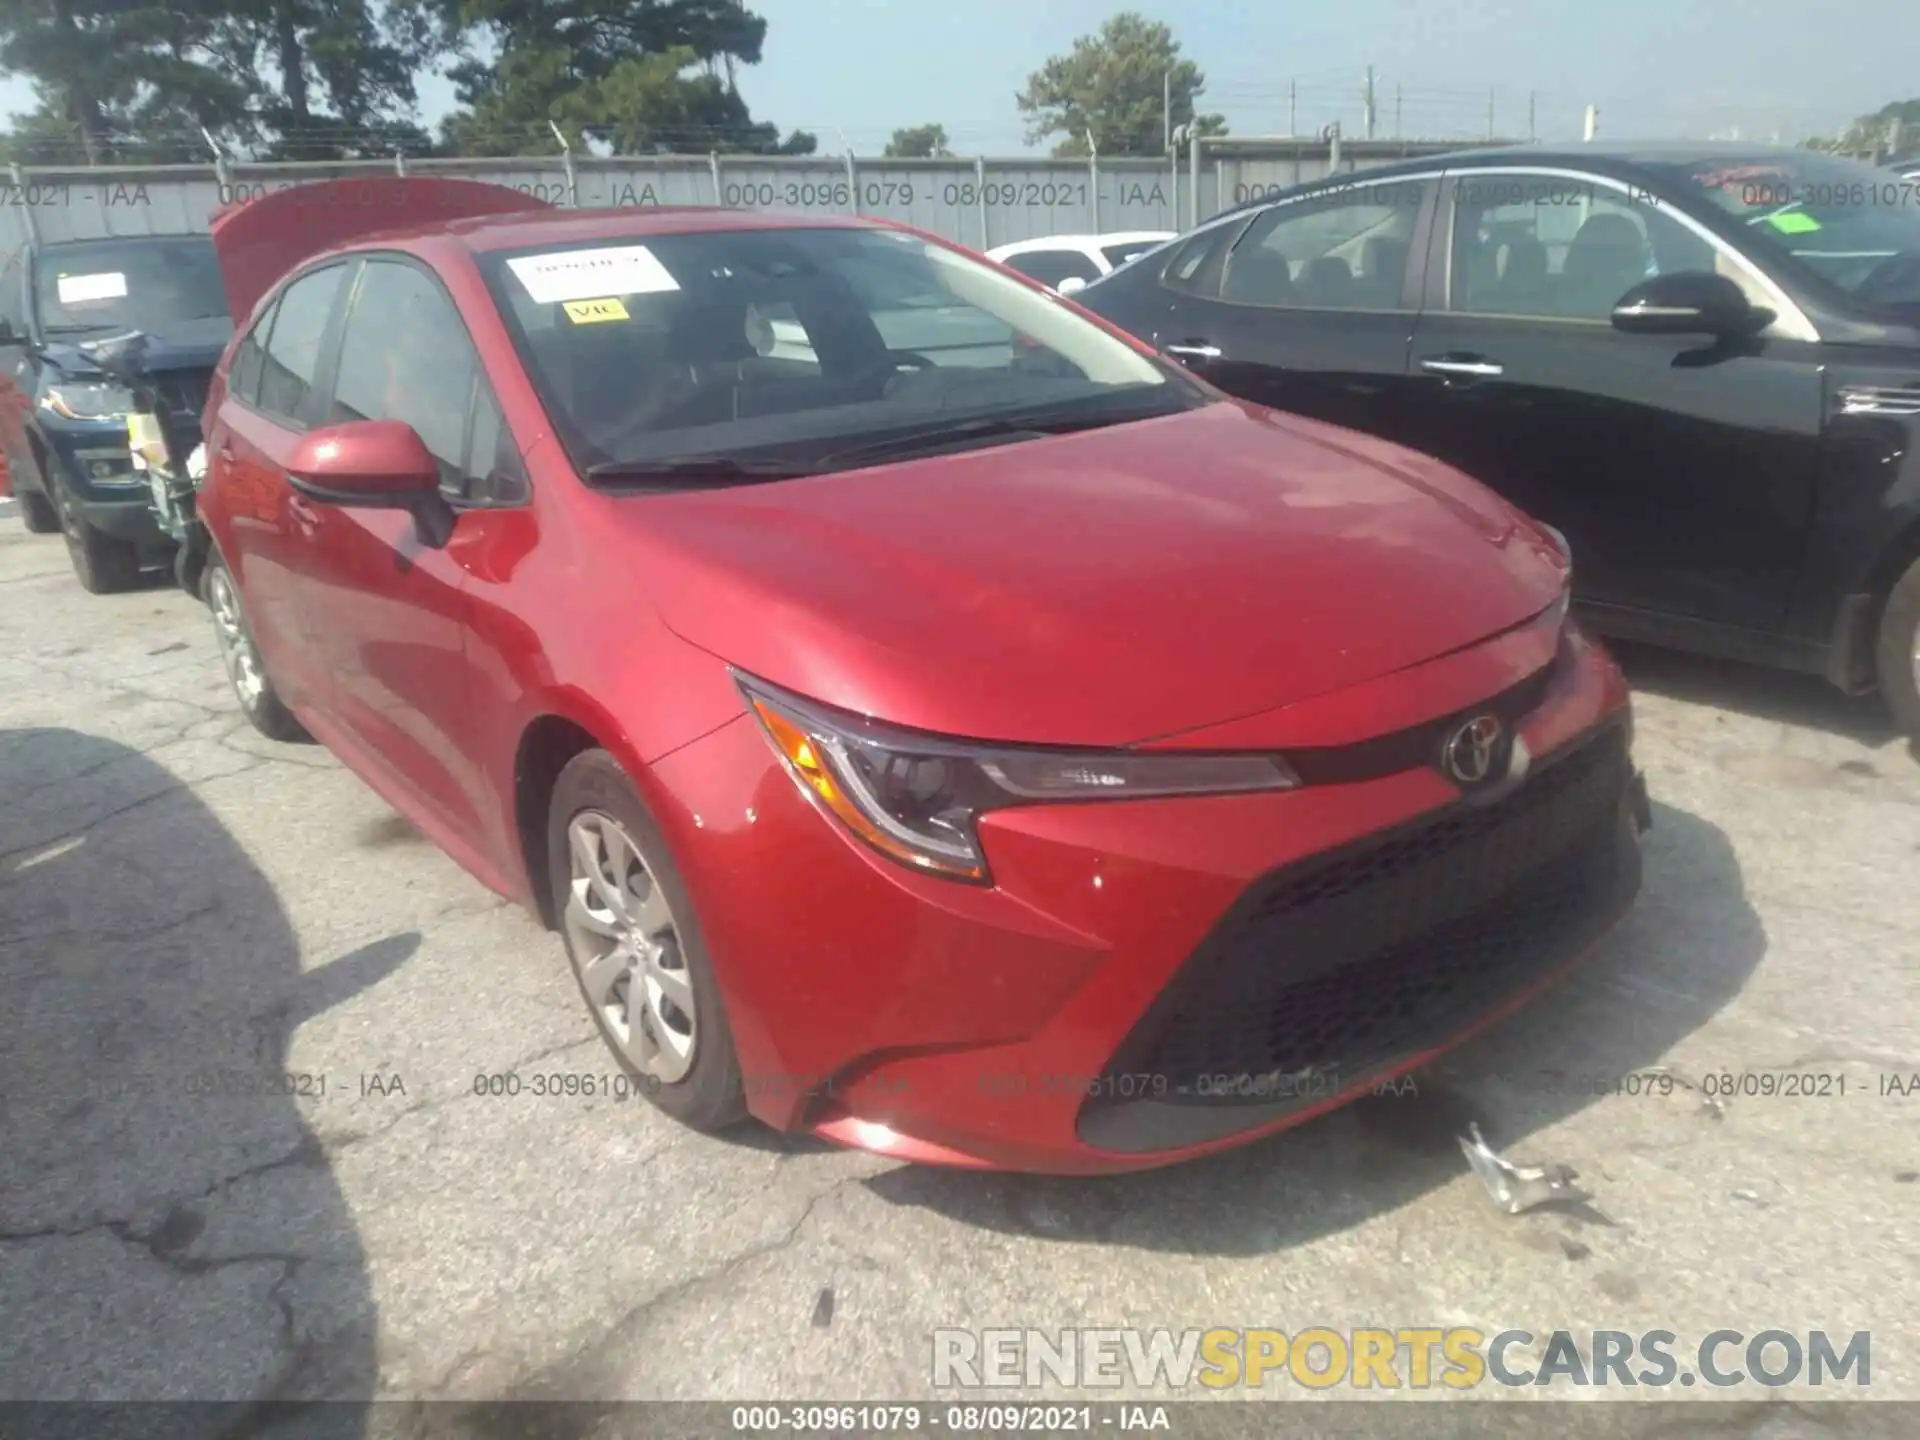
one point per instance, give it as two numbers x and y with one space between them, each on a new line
624 943
236 646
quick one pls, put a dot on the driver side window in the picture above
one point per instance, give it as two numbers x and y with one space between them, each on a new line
1559 247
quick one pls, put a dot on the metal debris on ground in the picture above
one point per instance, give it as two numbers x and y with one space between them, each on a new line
1515 1188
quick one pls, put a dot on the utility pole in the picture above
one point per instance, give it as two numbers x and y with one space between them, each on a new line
1593 122
1166 108
1293 107
1532 133
1368 98
1490 114
1398 133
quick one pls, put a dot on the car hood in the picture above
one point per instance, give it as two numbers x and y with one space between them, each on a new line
1102 588
181 345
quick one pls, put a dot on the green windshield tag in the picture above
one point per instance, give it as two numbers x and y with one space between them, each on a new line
1793 222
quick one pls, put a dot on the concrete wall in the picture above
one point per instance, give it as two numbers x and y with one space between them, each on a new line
982 203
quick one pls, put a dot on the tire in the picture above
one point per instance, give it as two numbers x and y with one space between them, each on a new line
103 564
1897 652
694 1074
246 670
38 513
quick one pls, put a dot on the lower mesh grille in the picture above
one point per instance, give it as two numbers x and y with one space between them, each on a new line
1344 964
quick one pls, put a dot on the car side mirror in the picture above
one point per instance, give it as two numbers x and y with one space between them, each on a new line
1689 302
373 464
1072 285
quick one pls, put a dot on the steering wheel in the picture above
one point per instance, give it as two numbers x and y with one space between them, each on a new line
889 371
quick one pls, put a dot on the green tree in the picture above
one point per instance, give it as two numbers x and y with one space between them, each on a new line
341 71
279 78
635 75
117 82
1869 133
1111 84
919 142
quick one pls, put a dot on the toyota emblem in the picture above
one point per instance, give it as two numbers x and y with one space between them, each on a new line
1472 749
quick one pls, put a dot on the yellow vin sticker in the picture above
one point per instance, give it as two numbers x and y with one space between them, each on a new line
592 312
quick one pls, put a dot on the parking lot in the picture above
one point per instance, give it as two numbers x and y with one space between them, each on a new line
183 903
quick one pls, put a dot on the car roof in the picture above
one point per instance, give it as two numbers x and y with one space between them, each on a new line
532 229
1066 242
1606 156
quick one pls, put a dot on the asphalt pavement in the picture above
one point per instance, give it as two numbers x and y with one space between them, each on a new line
246 1009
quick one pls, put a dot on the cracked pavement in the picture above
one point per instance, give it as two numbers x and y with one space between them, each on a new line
186 907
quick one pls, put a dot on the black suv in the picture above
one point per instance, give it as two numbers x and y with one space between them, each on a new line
1699 362
63 423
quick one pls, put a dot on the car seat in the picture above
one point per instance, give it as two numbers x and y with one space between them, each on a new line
1607 258
1326 280
1258 275
1521 286
1383 269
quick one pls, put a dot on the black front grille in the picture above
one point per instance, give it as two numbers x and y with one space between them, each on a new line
183 391
179 397
1336 968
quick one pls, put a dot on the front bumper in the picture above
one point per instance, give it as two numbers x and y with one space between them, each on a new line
1061 1021
100 482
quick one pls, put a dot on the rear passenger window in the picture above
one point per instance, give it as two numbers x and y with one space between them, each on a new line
1197 263
1343 249
291 356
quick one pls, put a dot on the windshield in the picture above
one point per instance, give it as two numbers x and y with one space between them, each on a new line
798 344
1854 225
144 284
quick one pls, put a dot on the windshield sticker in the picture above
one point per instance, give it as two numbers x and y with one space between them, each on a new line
1793 222
592 274
592 312
77 289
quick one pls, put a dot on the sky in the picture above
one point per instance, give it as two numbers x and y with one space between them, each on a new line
853 70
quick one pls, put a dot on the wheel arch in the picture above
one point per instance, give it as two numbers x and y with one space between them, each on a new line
548 743
568 723
1892 561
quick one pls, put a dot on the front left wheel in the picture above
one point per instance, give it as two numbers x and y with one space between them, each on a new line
103 563
38 513
636 947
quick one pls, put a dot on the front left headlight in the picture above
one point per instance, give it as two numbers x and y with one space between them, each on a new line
87 400
917 798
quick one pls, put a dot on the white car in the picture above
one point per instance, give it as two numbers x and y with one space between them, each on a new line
1067 263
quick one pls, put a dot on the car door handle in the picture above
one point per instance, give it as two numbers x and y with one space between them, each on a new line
1194 350
226 455
1465 365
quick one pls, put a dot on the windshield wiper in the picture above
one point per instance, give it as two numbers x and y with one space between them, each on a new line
1032 424
697 469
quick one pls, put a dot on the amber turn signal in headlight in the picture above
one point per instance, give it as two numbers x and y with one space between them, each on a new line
915 798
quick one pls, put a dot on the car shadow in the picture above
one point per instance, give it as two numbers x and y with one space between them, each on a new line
1780 696
170 1225
1686 948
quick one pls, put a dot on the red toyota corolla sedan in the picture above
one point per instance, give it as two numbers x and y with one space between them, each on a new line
930 718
